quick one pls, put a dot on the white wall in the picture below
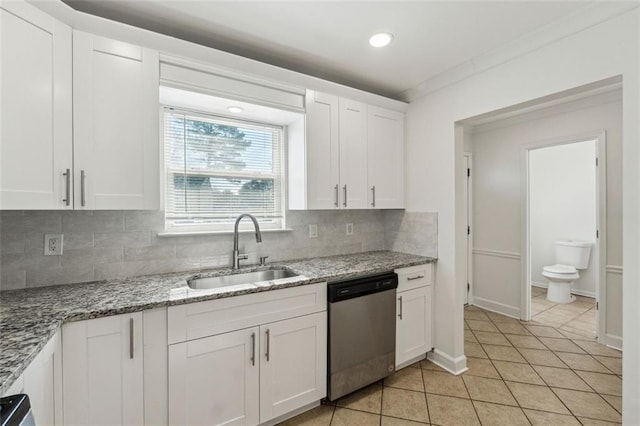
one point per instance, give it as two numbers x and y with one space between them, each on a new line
562 205
435 173
497 150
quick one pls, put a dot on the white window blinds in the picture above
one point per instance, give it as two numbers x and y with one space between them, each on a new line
217 168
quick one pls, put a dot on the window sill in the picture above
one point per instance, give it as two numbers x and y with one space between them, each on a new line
198 233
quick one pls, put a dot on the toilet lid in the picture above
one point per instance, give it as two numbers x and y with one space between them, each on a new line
560 269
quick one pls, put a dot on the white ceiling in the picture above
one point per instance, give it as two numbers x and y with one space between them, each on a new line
329 39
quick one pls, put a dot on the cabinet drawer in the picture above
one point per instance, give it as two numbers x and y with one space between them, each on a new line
414 277
202 319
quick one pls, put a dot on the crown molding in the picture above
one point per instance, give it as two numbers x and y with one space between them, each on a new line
587 17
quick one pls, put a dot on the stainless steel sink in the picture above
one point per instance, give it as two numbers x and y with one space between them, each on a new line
237 279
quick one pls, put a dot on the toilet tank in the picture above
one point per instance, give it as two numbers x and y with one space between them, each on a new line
573 253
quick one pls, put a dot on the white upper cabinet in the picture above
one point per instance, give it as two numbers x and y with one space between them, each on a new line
36 135
353 154
350 155
385 158
323 151
116 124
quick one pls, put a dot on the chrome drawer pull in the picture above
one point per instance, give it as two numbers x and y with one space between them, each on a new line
130 338
400 313
337 203
67 199
82 179
417 277
268 344
344 203
253 348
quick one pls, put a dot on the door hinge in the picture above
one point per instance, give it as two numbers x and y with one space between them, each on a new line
597 306
468 230
596 161
597 233
468 172
468 287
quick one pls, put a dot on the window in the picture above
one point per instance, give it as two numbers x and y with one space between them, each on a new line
217 168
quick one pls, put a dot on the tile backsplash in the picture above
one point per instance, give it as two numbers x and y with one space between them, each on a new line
102 245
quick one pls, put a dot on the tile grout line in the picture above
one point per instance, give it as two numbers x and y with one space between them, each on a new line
544 381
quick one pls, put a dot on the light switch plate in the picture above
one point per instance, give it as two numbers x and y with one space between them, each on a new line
53 244
313 230
349 228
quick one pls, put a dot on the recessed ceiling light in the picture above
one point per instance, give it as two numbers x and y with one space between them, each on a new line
235 109
380 39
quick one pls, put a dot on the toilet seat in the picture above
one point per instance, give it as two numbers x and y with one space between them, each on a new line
561 272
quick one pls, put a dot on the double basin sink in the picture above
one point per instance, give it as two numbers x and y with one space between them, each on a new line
200 283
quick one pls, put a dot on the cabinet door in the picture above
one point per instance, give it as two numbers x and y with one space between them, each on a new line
115 111
323 153
385 153
353 155
413 324
35 127
214 380
103 371
43 383
293 364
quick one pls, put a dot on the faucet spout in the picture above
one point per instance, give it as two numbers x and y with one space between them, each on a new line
236 254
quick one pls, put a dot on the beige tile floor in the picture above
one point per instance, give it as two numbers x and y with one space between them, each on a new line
519 373
577 318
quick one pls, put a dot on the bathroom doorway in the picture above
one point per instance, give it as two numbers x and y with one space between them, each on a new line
565 200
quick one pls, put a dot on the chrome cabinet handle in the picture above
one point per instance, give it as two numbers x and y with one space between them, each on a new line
67 199
82 179
344 203
337 203
400 313
373 190
417 277
130 338
253 348
268 344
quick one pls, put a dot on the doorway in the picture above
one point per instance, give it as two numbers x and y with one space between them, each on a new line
565 200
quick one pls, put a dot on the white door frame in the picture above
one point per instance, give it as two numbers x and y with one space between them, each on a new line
600 137
468 207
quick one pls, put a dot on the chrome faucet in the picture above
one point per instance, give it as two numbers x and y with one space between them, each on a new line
237 257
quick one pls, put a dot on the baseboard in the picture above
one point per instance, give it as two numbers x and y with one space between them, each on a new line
613 341
573 290
291 414
500 308
452 365
410 362
584 293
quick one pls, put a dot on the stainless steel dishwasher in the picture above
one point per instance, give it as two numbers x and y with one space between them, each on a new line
362 332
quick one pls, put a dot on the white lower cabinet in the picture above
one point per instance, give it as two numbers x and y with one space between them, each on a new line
215 380
414 325
248 376
103 371
114 370
293 361
42 382
249 359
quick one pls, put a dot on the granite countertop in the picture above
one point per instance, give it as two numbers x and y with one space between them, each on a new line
30 317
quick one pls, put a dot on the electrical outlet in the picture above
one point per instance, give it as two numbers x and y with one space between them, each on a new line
313 231
349 228
53 244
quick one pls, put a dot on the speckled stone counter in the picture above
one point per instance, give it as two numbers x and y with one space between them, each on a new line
29 318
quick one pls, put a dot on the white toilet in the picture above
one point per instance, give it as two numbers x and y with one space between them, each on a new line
570 257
